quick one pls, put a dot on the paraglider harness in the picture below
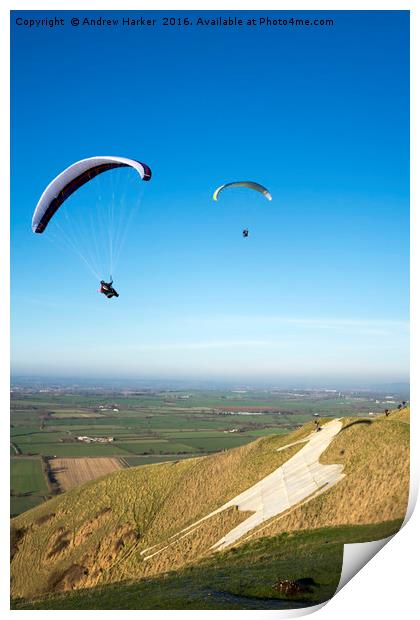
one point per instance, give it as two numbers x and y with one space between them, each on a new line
107 289
245 232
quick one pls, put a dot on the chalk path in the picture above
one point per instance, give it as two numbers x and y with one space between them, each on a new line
301 476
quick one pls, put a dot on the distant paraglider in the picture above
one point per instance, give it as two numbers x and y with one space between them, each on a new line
248 184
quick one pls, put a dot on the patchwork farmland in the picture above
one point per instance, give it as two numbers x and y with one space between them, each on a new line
79 435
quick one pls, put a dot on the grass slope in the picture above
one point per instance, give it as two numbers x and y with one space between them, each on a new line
96 533
245 577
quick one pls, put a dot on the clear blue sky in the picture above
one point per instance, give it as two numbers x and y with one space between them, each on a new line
320 115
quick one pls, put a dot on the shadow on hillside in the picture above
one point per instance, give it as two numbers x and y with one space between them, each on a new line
368 422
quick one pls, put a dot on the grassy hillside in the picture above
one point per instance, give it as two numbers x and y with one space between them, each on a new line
108 530
103 526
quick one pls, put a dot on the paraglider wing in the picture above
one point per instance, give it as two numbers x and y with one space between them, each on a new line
250 184
68 181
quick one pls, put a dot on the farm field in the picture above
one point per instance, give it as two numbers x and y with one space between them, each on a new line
28 485
157 426
74 471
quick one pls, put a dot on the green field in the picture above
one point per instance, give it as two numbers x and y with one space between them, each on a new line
156 447
135 461
27 484
26 475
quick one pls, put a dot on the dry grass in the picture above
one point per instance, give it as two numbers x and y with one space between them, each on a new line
71 472
403 415
193 544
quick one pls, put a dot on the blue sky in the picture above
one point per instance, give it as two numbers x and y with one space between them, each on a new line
320 115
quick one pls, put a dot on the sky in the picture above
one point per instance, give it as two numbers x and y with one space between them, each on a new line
320 115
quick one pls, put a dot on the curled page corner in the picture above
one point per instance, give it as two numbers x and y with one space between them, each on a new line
356 555
413 495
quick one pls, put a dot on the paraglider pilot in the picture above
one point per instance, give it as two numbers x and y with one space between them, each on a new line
107 289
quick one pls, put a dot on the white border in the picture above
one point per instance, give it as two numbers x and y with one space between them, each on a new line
387 586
